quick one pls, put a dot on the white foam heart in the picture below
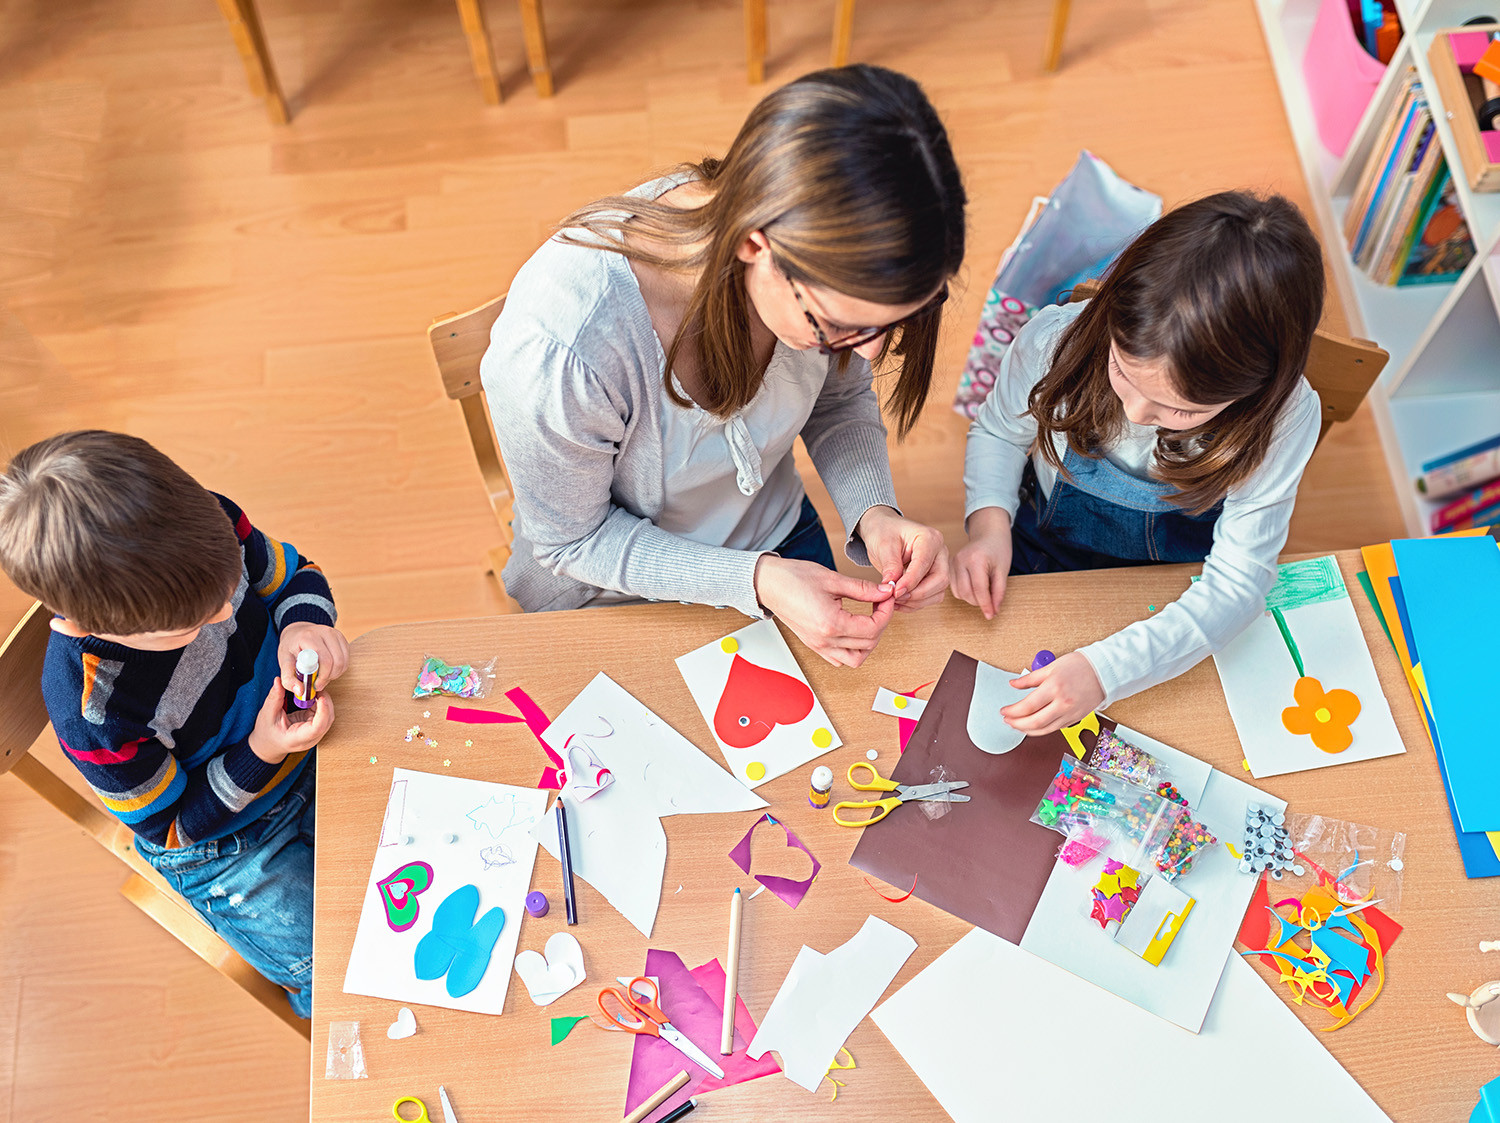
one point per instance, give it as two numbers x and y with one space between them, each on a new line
404 1026
548 977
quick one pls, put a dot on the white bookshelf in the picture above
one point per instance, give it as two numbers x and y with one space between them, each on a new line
1441 389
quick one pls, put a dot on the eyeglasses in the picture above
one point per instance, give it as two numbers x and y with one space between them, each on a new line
860 336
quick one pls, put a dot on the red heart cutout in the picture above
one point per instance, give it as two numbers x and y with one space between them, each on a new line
756 700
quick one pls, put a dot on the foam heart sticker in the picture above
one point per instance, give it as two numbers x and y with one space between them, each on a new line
548 977
757 699
404 1026
459 946
398 892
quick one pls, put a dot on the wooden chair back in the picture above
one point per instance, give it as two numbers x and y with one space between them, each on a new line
1340 369
23 719
459 341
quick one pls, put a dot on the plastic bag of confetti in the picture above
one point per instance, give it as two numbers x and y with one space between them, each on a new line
460 680
1365 863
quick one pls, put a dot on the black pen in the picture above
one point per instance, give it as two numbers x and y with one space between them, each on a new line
679 1111
564 855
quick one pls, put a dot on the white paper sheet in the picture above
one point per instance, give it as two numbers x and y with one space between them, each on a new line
1181 988
885 703
993 1033
825 996
616 837
992 691
1258 674
494 851
779 746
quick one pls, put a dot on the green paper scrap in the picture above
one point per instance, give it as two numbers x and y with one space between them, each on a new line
561 1027
1364 583
1291 644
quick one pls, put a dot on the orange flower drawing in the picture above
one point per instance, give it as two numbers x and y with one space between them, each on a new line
1323 715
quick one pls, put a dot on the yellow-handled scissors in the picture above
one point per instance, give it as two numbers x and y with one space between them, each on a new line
422 1116
903 794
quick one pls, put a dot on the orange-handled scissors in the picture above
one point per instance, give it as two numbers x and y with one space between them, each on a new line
635 1010
903 793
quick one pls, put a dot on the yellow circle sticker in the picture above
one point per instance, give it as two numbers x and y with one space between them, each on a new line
729 645
822 737
899 702
755 770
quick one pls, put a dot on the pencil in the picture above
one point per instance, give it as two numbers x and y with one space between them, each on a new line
731 972
565 856
679 1111
657 1098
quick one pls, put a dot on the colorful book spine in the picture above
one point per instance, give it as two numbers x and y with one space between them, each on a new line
1471 467
1473 506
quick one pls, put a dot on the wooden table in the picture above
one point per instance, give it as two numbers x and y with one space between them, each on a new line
1412 1050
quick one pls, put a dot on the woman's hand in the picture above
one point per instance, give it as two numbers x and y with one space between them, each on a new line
809 599
981 567
912 558
1062 693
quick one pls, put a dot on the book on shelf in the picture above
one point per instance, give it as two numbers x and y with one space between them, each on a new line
1444 249
1467 467
1462 512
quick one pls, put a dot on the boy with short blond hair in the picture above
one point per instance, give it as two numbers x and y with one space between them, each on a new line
177 630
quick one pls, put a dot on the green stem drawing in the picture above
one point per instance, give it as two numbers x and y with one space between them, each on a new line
1291 644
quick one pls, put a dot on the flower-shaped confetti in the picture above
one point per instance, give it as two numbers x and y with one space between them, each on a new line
1325 716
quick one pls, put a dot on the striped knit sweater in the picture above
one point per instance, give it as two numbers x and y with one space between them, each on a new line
163 736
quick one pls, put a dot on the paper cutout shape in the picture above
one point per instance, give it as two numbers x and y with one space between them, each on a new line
990 732
790 891
551 974
531 716
896 704
561 1027
1325 716
617 841
381 961
584 776
404 1026
459 946
825 996
751 698
838 1065
399 890
1155 920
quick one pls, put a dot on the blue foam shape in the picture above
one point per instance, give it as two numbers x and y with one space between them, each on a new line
1452 591
1343 953
458 946
1487 1110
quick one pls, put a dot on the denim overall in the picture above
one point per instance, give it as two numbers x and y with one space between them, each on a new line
1103 518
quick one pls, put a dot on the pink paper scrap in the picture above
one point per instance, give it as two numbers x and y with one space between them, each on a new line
788 890
531 715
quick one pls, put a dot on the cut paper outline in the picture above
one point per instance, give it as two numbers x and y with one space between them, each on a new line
791 892
552 972
391 833
835 1066
459 947
402 914
561 1027
894 900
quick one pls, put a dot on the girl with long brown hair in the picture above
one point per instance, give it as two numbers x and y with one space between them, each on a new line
657 358
1165 420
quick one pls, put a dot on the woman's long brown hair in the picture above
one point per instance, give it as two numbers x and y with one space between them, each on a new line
1228 291
849 175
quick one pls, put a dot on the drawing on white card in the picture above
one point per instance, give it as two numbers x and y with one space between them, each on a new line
400 911
617 841
395 807
757 703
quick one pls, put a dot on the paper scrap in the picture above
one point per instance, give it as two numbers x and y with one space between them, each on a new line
404 1026
790 891
551 974
825 996
896 704
561 1027
617 842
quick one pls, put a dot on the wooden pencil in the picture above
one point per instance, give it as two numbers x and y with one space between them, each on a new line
657 1098
732 971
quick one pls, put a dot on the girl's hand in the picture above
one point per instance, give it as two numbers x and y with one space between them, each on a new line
1062 693
329 643
809 599
910 556
981 567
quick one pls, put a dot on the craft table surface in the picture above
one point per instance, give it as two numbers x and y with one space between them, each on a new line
1412 1050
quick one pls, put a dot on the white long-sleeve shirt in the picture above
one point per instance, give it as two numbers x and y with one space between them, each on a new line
1248 536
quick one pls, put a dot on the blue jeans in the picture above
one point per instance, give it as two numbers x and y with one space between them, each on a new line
807 541
255 887
1103 518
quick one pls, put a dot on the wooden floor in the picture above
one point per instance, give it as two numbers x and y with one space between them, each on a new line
253 300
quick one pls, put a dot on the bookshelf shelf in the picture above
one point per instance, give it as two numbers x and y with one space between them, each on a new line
1441 389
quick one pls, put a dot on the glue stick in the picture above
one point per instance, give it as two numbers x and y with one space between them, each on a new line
822 784
307 678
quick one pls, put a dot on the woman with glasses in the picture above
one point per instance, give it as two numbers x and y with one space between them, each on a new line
657 358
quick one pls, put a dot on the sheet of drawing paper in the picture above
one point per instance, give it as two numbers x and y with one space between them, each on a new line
987 1027
616 837
1258 673
757 703
822 1000
984 861
1452 593
1180 989
493 850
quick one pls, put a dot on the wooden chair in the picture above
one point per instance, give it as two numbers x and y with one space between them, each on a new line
1339 368
459 340
23 720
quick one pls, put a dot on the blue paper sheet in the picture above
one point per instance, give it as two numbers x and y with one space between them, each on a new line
1452 591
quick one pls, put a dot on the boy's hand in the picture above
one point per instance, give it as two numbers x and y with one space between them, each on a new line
809 599
275 735
912 558
981 567
329 643
1062 693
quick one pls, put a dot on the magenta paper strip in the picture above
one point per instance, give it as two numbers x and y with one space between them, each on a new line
535 720
788 890
694 1011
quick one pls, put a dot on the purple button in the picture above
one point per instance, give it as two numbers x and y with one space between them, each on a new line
536 903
